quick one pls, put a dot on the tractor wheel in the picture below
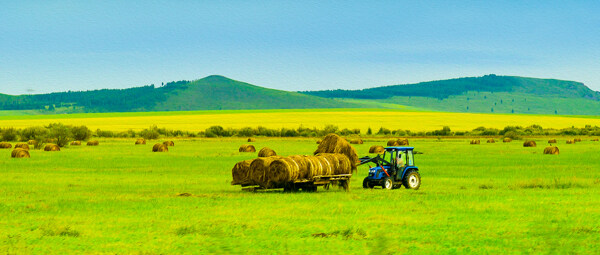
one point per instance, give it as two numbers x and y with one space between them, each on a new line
366 183
412 180
388 183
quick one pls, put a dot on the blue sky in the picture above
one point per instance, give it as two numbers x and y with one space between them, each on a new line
50 46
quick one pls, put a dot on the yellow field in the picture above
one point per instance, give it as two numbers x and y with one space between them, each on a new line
352 118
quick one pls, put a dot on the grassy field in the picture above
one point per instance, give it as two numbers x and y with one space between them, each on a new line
122 198
343 118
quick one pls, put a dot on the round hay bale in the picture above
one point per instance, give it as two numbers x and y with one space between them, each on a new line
403 142
376 149
506 140
4 145
23 146
251 140
319 141
159 147
241 173
551 150
283 170
169 143
76 143
333 143
93 143
247 148
529 144
552 141
19 153
259 168
51 147
31 142
570 141
491 140
577 140
140 141
356 141
266 152
393 143
475 142
594 140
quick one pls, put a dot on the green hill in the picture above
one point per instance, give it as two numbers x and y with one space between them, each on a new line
487 94
210 93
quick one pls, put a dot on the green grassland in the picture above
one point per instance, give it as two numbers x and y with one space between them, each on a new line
122 198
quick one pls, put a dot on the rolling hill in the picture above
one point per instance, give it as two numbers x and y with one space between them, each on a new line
210 93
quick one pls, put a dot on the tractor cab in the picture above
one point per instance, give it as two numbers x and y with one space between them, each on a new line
396 167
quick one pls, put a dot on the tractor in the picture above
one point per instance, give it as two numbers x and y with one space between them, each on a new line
396 167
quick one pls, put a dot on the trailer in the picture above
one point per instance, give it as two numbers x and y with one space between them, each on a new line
308 185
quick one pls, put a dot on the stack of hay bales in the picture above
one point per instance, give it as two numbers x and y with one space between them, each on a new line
247 148
169 143
552 141
491 140
570 141
475 142
93 143
251 140
529 144
376 149
4 145
266 152
20 153
398 142
333 143
159 147
356 141
23 146
551 150
140 141
507 140
76 143
577 140
51 147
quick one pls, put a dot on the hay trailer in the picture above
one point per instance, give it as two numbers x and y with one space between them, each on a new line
309 185
395 168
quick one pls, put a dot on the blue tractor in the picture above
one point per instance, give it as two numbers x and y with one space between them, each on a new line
396 167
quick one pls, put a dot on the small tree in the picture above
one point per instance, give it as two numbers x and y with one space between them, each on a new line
150 133
9 134
81 133
60 133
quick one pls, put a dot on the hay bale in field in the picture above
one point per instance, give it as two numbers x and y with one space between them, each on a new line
51 147
31 142
319 141
4 145
403 142
376 149
333 143
594 140
159 147
356 141
570 141
241 173
76 143
398 142
491 140
529 144
259 168
247 148
169 143
19 153
393 143
140 141
23 146
266 152
552 141
251 140
93 143
507 140
475 142
551 150
577 140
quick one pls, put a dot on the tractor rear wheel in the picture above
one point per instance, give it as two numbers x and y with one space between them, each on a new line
366 184
388 183
412 180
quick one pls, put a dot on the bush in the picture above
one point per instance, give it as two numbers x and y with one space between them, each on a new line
9 134
60 133
150 133
33 133
81 133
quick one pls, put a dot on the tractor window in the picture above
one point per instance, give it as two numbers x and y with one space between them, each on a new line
411 161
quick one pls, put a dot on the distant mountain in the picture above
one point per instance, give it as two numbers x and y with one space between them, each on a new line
210 93
487 94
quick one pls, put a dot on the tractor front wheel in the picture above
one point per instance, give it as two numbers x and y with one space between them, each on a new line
367 184
412 180
388 183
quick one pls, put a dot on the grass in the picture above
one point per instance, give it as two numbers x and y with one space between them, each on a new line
343 118
122 198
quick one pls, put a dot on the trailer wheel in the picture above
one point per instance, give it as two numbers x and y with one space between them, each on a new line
412 180
388 183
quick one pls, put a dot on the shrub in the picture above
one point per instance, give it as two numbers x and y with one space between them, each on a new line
9 134
81 133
